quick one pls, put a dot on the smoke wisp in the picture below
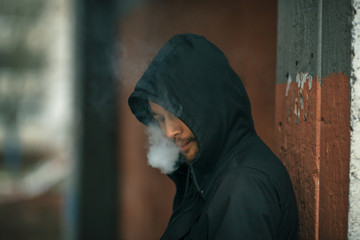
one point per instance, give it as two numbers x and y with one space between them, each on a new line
163 153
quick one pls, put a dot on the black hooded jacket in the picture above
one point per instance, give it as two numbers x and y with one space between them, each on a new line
235 188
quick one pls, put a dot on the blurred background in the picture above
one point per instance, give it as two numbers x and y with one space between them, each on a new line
36 116
72 156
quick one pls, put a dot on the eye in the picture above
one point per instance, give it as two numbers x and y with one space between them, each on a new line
160 119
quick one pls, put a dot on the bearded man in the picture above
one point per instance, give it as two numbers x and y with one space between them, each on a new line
229 185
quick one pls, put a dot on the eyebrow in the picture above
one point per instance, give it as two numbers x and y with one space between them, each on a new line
154 113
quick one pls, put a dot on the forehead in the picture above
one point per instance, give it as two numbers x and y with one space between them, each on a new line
156 108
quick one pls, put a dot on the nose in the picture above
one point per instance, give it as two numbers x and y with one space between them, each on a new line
172 128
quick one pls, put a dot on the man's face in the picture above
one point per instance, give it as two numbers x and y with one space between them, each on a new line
176 130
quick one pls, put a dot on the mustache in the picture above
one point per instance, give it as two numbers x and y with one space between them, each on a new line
182 141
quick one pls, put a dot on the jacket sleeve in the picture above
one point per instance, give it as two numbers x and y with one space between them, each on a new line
245 206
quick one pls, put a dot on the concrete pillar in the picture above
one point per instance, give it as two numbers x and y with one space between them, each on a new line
354 194
96 204
313 111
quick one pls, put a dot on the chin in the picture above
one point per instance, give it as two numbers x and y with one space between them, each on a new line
188 158
190 155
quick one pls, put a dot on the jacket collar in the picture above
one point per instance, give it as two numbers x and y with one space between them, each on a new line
204 175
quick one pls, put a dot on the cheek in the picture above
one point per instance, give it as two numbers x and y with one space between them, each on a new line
162 126
188 132
194 149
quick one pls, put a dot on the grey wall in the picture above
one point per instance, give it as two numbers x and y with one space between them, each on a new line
313 37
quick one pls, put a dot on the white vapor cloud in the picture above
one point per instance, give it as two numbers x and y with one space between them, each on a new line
163 153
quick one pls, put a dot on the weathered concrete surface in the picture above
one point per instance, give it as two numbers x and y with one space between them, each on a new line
313 136
313 37
298 39
314 42
334 157
354 195
298 138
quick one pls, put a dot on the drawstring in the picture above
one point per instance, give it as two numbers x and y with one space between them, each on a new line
188 211
195 181
187 182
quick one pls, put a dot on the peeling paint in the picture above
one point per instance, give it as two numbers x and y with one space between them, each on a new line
288 85
310 81
301 80
301 101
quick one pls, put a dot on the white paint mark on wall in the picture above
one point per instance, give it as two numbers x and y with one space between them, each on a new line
301 101
354 191
310 81
301 80
288 85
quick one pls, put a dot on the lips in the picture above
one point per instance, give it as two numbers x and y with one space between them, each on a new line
185 146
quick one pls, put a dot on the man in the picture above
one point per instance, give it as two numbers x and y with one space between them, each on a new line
229 185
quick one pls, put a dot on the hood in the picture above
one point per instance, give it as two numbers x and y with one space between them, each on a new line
191 78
